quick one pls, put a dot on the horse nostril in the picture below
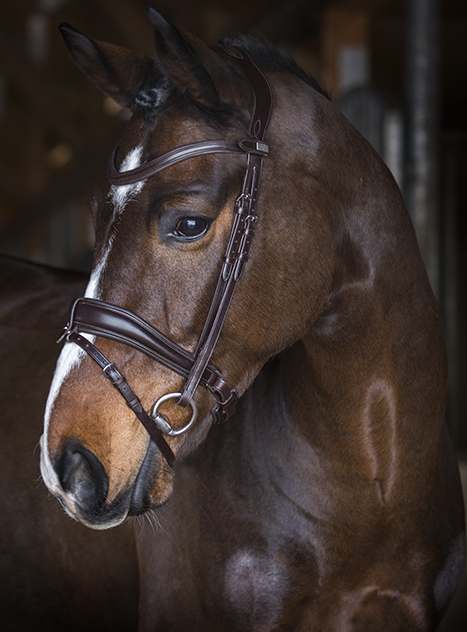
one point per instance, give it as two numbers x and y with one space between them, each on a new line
81 474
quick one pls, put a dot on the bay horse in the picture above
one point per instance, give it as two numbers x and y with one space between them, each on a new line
330 500
54 574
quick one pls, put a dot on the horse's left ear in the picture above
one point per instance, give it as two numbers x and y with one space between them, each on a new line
117 71
185 60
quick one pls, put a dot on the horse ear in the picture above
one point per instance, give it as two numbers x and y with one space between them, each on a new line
117 71
185 60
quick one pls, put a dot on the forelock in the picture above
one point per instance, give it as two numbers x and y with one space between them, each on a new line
152 95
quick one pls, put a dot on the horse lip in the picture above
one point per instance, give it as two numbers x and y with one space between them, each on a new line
102 523
106 517
140 501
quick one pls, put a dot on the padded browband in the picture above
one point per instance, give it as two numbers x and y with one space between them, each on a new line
103 319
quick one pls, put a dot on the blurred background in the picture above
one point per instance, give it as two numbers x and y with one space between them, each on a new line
395 67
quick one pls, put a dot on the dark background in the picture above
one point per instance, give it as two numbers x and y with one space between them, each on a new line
397 68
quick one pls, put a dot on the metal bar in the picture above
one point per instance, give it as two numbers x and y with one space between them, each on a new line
451 285
422 129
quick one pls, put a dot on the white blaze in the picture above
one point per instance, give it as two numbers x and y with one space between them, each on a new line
121 195
72 355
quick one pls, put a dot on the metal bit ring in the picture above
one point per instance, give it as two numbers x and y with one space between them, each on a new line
161 421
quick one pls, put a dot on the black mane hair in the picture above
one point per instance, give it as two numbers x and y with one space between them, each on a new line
154 92
271 58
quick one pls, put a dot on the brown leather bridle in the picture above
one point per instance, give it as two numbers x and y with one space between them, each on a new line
98 318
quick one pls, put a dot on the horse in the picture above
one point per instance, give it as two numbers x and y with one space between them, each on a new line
329 497
54 573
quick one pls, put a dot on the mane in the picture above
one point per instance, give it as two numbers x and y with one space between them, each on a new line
153 94
271 58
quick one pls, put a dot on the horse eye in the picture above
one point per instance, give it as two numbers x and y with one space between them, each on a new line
188 228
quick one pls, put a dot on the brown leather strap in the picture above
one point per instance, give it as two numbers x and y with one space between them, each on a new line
117 380
243 225
262 107
235 258
159 163
103 319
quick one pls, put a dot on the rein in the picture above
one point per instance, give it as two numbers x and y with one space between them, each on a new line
101 319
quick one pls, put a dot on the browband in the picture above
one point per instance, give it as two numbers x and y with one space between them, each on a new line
179 154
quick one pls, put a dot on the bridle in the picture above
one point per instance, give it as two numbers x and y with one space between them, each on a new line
101 319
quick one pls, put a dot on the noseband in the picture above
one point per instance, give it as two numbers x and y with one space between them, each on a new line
95 317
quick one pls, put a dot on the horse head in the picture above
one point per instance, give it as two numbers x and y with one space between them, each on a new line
160 244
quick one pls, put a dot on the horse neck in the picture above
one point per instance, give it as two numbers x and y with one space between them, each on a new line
361 395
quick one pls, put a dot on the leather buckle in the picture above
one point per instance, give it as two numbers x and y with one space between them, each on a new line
113 374
223 410
108 368
254 146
